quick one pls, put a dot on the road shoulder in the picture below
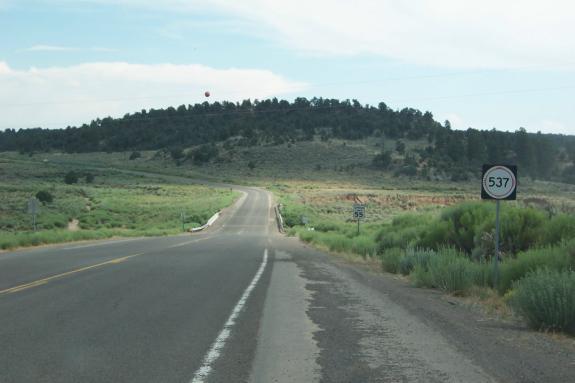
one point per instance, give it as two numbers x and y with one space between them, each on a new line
286 350
377 328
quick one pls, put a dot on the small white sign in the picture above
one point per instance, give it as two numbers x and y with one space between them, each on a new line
358 211
33 206
499 182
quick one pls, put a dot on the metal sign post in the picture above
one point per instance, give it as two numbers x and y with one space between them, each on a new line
496 262
183 217
499 182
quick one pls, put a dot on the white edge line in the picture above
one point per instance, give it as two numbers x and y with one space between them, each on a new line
214 352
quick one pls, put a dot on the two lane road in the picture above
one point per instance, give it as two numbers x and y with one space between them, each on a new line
138 310
240 303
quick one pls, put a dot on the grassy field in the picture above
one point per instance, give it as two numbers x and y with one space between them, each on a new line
436 233
115 203
333 161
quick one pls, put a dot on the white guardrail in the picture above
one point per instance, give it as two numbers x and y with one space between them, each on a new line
279 218
208 224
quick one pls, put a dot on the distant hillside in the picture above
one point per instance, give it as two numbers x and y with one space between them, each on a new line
421 146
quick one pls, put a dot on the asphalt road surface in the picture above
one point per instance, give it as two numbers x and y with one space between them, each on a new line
241 303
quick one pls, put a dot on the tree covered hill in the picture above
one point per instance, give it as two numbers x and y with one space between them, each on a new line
209 128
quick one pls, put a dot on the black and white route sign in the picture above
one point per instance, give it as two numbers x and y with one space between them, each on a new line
358 211
499 182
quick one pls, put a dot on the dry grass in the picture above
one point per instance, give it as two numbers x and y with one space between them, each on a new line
489 302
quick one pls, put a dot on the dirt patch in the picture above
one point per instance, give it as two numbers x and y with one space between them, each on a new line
404 201
74 225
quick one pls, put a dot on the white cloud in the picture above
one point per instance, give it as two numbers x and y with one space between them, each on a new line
455 120
445 33
4 69
552 126
60 48
49 48
103 49
58 96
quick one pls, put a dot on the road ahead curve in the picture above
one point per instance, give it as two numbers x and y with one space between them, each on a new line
238 303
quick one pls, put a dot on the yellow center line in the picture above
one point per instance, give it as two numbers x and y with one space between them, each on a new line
58 276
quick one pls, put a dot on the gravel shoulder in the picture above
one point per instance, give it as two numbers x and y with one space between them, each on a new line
374 327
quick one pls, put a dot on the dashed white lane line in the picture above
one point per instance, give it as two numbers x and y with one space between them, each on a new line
188 242
202 374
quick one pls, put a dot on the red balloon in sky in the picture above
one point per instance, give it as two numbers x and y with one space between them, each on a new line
207 94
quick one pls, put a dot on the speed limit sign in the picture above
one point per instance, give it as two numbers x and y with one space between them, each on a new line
499 182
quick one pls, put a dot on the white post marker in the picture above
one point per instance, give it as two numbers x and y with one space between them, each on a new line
499 182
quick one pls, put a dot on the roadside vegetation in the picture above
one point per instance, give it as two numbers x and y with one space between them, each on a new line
448 244
409 142
98 204
437 234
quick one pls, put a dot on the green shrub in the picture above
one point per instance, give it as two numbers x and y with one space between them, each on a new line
44 196
451 271
204 153
404 231
554 258
363 245
292 213
71 177
464 227
420 277
413 258
559 228
382 161
336 242
306 236
327 226
570 252
546 299
521 229
406 170
177 153
403 237
410 220
437 235
483 274
391 258
465 221
7 243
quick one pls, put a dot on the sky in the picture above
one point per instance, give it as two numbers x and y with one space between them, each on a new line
480 64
